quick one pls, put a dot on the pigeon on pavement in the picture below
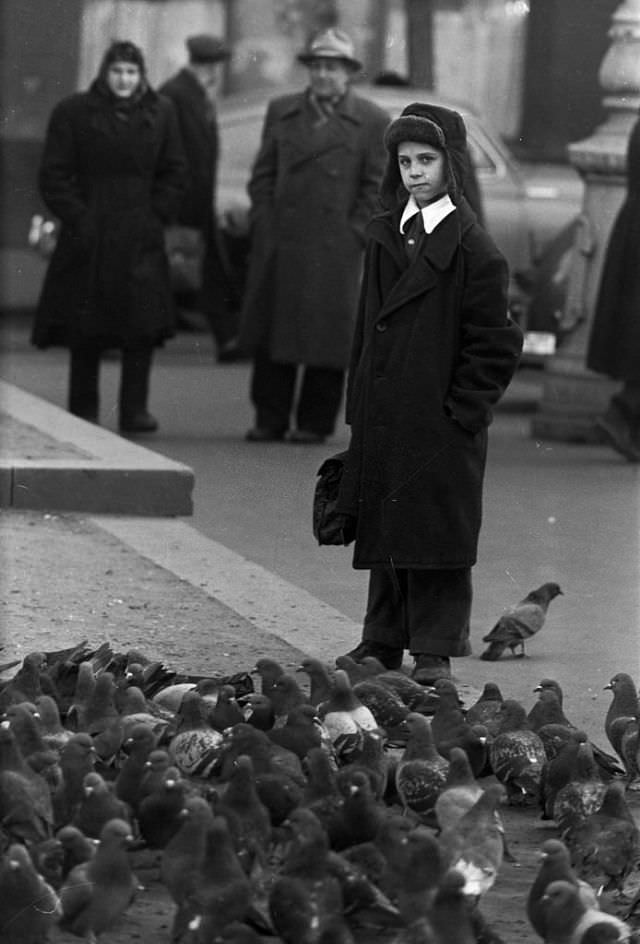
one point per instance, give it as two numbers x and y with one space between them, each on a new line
96 893
520 622
623 712
421 771
182 859
474 846
486 709
517 754
568 919
555 865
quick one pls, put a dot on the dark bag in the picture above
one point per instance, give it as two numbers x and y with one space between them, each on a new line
185 251
331 526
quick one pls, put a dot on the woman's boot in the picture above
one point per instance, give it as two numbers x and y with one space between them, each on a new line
134 392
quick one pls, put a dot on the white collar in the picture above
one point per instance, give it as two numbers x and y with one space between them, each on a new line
432 213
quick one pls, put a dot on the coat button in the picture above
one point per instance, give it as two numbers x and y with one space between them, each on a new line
381 326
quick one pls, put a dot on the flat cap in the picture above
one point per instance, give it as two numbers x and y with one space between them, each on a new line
207 48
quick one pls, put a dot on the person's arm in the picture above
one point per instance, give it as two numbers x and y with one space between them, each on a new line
58 177
171 170
489 344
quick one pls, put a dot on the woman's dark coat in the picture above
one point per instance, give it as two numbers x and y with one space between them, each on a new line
313 189
434 350
614 344
113 177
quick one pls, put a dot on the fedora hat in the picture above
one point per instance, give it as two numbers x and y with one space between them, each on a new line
331 44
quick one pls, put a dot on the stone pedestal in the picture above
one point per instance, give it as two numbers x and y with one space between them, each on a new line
572 395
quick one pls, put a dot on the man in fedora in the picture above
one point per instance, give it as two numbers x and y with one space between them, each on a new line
194 91
313 187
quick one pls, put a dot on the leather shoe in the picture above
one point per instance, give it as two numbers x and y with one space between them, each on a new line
615 429
263 434
142 422
306 437
390 656
428 669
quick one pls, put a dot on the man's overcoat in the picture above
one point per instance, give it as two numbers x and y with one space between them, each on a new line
113 176
313 188
614 344
199 130
434 350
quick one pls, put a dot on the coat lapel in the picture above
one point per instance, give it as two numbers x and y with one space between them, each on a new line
307 142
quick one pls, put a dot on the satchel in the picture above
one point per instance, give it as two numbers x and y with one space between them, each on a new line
185 251
329 525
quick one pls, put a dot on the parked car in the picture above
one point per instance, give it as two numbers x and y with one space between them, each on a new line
525 206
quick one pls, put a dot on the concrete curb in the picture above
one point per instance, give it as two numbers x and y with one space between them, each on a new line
97 471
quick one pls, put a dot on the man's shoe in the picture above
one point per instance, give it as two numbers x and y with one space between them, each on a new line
390 657
618 433
142 422
428 669
263 434
306 437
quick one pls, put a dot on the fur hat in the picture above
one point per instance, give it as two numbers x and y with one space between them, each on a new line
437 126
206 48
331 44
123 51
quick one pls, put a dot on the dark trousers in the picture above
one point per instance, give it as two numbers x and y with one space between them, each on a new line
84 381
424 611
273 390
628 401
218 297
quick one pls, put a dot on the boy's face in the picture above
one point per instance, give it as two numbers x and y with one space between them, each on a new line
423 171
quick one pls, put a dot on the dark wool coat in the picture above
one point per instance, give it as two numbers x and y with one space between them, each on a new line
313 189
113 178
614 344
199 130
434 350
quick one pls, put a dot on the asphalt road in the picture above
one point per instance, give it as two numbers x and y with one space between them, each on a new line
552 512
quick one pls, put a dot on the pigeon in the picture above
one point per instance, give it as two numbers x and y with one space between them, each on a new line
421 771
624 709
374 760
474 846
96 893
26 684
285 695
26 810
247 817
98 805
451 728
568 920
450 913
415 696
301 731
226 711
320 679
267 757
606 845
29 906
321 795
258 711
518 623
345 717
486 709
418 865
182 859
558 770
459 792
137 749
581 796
551 721
305 897
76 847
517 754
195 746
25 724
269 671
159 812
54 734
358 818
385 705
555 865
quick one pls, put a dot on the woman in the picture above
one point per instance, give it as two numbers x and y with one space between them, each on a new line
113 172
434 350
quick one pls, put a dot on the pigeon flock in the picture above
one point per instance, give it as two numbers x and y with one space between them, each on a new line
318 805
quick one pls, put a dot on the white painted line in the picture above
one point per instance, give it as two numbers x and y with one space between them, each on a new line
272 604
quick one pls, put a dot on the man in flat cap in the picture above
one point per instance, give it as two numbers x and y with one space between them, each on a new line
194 90
313 187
